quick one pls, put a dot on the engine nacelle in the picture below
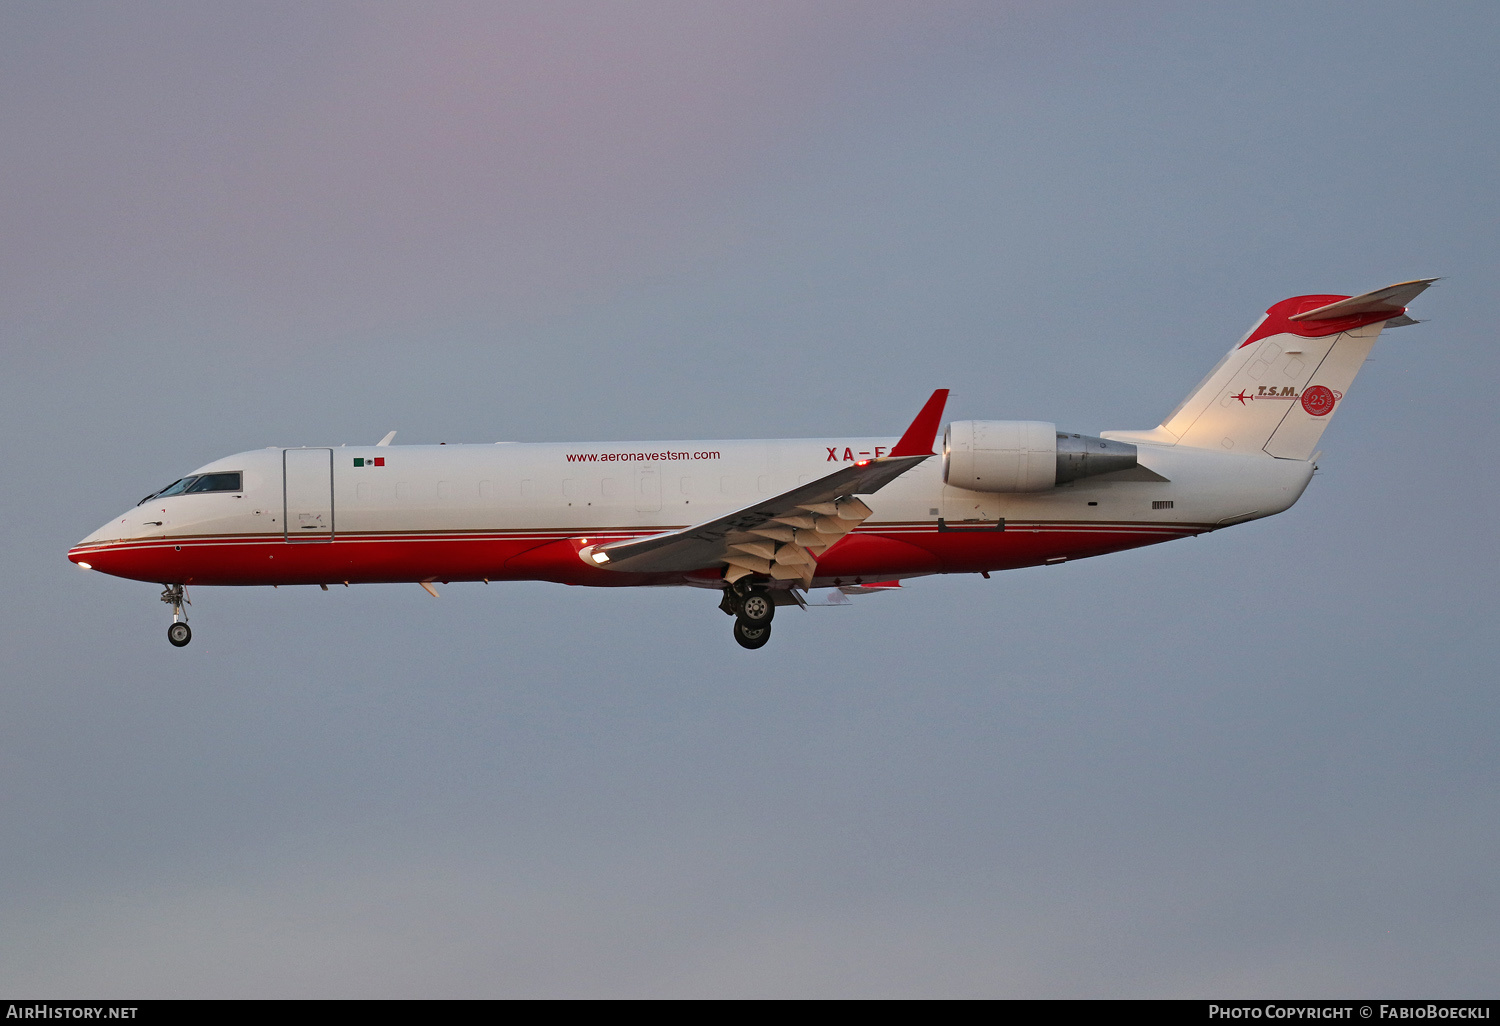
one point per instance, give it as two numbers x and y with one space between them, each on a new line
1000 455
1025 456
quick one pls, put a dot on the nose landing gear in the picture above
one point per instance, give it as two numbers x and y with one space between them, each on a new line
178 633
752 609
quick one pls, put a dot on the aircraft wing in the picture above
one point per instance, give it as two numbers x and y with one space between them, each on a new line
781 536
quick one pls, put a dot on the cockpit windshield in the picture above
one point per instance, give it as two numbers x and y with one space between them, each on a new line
223 481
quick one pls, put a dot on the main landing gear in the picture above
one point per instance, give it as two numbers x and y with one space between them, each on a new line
752 609
747 636
179 633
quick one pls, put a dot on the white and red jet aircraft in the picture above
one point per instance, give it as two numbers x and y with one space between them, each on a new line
764 522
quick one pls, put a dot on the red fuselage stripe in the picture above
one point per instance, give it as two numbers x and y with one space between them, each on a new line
404 557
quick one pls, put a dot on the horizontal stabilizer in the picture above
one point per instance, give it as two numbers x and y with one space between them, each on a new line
1392 299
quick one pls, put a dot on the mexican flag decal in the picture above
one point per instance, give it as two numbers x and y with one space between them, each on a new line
377 461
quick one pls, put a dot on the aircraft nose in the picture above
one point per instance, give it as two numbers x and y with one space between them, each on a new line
91 553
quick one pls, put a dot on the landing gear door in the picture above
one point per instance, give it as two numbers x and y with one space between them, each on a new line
307 478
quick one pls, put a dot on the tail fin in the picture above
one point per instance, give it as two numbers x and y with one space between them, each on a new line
1277 389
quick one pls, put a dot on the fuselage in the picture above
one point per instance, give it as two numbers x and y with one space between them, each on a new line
513 511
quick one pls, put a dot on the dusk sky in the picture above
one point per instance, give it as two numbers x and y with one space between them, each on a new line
1261 763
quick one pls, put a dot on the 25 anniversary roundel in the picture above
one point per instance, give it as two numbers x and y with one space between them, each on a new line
1318 400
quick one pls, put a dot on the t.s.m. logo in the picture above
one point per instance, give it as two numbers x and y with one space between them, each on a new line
1317 400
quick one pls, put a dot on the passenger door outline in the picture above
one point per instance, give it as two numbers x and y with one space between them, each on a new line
307 495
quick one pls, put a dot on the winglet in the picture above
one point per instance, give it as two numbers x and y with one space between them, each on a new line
921 436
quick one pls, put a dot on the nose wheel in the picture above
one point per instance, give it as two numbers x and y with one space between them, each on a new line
178 633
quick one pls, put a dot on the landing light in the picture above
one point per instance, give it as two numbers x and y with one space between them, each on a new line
85 566
601 557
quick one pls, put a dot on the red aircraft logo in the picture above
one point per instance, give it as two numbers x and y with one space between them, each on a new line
1317 400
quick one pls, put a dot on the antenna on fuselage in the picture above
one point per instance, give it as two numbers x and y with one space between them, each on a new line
387 439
